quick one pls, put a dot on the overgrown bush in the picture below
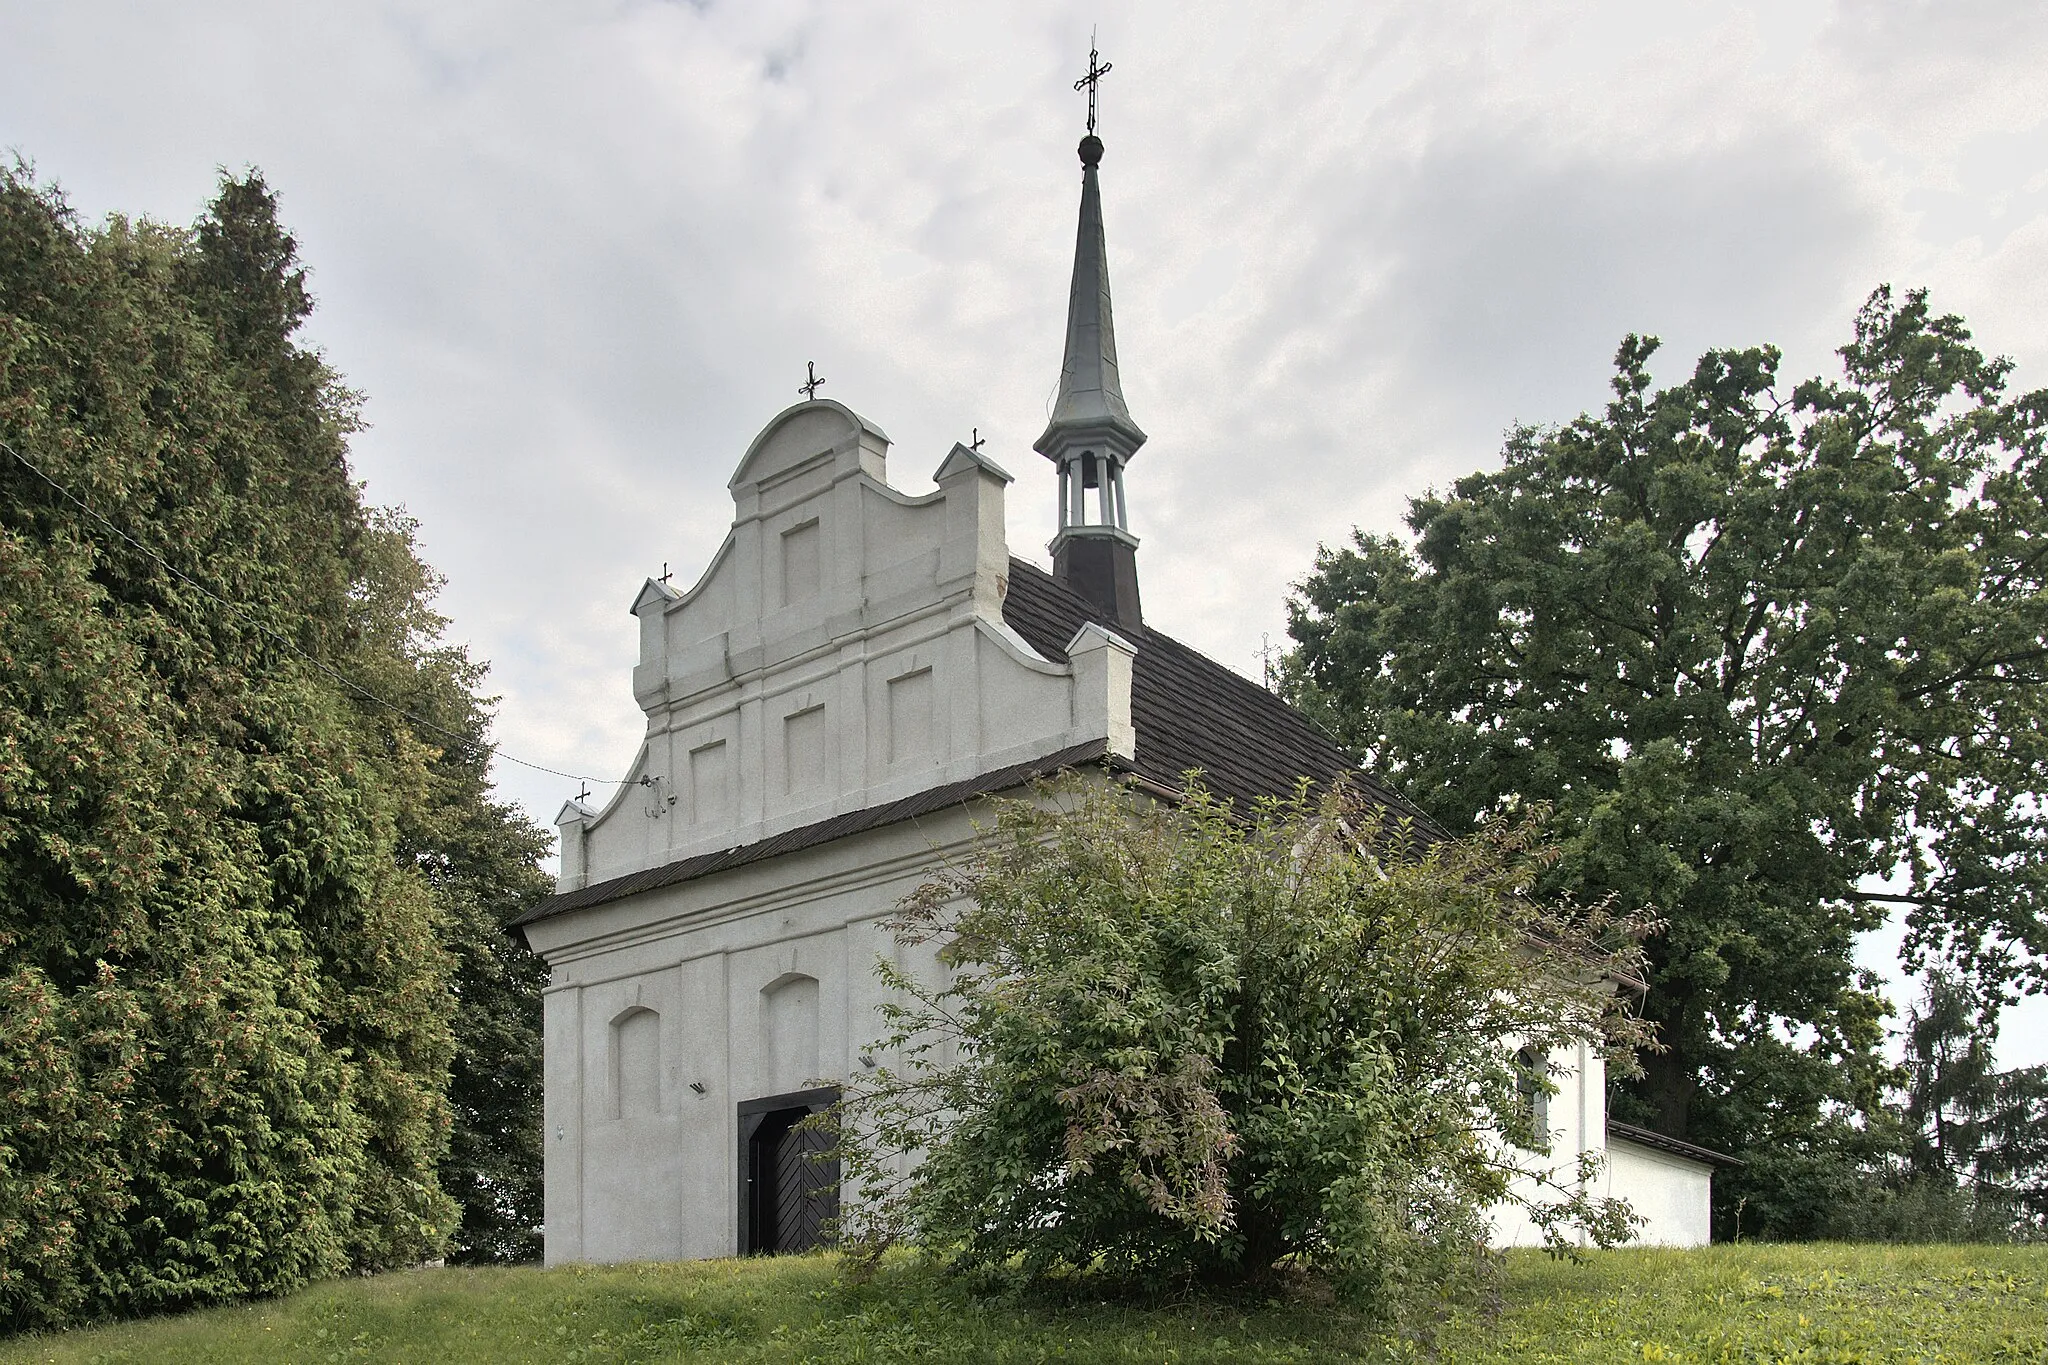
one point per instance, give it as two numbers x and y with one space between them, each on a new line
1183 1044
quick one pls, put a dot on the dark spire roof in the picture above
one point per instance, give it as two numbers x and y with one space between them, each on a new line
1091 396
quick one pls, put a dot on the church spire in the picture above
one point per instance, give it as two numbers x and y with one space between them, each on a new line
1091 436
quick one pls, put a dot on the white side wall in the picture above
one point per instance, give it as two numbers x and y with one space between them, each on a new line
1674 1195
1577 1122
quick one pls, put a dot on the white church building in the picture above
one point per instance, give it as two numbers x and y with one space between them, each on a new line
853 671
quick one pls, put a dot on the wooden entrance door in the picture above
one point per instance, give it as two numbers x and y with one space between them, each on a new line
789 1187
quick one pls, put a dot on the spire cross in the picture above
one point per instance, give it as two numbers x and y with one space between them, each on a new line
975 442
809 388
1096 71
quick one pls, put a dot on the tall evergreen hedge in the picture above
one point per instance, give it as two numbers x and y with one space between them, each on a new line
248 909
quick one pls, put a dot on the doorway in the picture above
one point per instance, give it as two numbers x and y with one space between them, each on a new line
789 1187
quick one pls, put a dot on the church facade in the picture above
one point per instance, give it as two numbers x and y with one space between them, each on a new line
855 669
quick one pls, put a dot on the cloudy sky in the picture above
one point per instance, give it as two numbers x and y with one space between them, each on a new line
576 255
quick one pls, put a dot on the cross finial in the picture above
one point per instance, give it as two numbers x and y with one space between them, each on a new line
1096 71
975 442
665 574
1266 656
583 795
809 388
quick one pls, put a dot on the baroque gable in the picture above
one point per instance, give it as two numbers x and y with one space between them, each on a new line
845 648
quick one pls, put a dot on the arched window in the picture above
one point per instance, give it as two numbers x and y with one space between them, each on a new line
1533 1088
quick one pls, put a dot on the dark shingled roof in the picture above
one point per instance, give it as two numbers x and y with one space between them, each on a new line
1190 713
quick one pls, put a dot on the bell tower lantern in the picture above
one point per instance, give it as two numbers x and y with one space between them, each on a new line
1091 437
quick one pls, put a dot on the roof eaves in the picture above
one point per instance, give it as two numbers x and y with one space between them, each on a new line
1670 1146
926 802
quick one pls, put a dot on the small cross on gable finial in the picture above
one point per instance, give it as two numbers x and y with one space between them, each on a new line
975 442
1097 69
809 388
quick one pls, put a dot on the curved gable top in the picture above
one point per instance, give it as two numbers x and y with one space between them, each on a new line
805 432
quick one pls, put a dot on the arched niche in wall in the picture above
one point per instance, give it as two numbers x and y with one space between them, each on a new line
789 1033
636 1063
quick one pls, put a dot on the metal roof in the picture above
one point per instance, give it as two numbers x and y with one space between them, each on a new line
1670 1146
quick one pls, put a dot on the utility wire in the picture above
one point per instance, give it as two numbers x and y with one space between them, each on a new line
489 750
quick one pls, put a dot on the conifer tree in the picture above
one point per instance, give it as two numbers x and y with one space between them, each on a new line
234 887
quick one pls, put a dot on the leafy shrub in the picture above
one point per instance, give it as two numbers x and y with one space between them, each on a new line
1179 1044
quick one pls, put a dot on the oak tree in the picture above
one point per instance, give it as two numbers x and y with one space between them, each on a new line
1777 659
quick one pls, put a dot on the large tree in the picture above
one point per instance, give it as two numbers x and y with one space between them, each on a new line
244 842
1768 655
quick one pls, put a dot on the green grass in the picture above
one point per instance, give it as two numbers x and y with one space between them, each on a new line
1820 1305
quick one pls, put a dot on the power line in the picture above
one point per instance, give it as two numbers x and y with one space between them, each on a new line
489 750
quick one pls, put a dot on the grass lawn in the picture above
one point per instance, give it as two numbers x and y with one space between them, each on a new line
1818 1305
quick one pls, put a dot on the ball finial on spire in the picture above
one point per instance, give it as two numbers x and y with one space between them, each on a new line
1091 151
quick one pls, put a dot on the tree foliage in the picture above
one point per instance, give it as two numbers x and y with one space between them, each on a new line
1759 651
235 890
1178 1043
1974 1126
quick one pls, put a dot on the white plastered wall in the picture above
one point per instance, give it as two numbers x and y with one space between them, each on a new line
1577 1122
708 956
1672 1195
663 1184
844 648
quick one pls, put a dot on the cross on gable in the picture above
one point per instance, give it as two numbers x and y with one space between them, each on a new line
809 388
975 442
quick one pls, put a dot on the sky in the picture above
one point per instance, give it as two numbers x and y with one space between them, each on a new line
576 255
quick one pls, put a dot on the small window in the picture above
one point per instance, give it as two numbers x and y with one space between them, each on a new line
710 784
1533 1089
910 717
804 757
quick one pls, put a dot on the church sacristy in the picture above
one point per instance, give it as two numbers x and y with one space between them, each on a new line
854 670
